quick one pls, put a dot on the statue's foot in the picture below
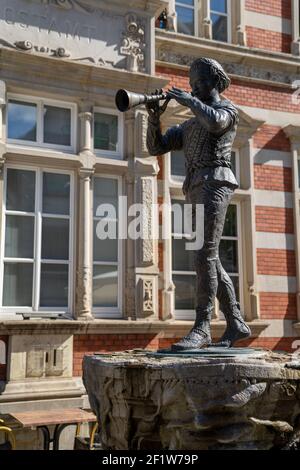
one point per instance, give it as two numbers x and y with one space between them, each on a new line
196 339
238 330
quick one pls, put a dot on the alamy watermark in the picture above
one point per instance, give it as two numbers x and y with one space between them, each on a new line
188 222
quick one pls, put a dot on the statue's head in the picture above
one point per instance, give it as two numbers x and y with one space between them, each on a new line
206 75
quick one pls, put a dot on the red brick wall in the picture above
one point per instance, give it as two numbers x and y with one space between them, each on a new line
272 138
241 91
280 8
3 366
276 262
89 344
268 40
273 178
278 305
274 219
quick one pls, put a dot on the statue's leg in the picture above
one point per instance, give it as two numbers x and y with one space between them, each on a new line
236 327
215 199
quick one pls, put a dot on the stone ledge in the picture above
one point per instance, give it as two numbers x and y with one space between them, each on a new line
167 329
297 327
190 46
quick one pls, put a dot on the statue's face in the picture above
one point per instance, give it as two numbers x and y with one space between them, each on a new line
202 82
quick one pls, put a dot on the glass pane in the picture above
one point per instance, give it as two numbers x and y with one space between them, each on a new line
182 259
105 286
20 190
185 20
19 236
105 132
17 284
106 192
230 226
54 285
229 255
219 27
105 250
56 193
299 170
186 2
55 239
57 125
22 118
219 5
177 163
185 292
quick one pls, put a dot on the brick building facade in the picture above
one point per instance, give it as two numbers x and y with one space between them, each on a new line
64 149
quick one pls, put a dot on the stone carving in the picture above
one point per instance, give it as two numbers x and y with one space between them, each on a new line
147 221
83 305
167 55
29 47
25 45
148 306
133 44
69 5
194 403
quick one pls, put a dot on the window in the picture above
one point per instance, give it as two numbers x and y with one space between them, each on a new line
185 10
108 133
37 241
41 123
183 272
106 251
220 15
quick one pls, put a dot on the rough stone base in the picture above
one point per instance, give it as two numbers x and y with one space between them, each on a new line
149 401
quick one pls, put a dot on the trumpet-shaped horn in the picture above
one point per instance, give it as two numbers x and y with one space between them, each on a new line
126 100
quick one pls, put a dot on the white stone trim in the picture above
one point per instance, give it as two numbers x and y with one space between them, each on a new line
280 328
271 116
268 22
272 157
273 241
284 284
265 197
296 27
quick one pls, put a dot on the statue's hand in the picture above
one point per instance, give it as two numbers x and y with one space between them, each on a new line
182 97
153 108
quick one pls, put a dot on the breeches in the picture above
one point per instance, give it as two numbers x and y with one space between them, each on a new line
212 280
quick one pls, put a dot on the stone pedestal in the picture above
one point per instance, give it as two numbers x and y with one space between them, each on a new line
144 400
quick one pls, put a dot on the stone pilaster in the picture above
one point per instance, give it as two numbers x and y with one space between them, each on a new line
238 22
84 271
295 47
293 132
86 119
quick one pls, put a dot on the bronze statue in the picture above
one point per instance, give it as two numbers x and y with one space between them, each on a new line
206 140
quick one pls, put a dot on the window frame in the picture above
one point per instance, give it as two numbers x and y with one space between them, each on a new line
110 312
40 102
185 314
229 22
196 11
118 154
37 242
